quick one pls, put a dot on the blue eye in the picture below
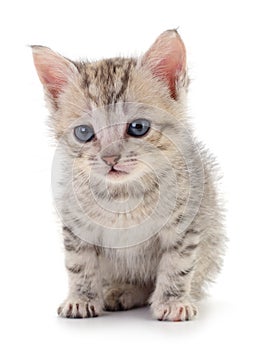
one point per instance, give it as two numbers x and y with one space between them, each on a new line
138 127
84 133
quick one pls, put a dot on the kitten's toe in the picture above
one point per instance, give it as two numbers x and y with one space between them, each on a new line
79 309
174 311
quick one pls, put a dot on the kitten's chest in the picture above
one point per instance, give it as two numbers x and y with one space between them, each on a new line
137 263
118 223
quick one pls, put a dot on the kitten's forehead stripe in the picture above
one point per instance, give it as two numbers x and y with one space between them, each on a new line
109 77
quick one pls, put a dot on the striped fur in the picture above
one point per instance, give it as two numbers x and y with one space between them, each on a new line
154 235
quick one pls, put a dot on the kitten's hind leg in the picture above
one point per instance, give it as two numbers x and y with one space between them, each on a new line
125 296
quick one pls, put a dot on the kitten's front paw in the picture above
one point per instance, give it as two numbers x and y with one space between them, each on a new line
174 311
79 309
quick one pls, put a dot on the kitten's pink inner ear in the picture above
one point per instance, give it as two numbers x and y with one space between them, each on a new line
53 69
167 59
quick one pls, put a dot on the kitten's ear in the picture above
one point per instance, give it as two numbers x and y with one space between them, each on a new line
54 70
166 59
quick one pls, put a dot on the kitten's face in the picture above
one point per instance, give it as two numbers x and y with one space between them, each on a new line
116 118
118 142
112 142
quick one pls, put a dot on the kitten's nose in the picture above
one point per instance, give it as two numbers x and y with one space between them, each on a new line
111 160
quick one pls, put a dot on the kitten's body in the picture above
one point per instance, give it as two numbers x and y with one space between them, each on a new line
153 233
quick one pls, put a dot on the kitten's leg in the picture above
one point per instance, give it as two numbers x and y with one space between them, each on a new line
171 299
85 295
125 296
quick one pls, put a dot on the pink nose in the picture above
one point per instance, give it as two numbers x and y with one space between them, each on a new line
111 160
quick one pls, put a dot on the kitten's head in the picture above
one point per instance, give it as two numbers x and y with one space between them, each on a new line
117 118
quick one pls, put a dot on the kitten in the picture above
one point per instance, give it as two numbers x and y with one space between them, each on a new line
135 191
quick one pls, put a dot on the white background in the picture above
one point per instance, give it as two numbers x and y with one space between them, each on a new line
220 40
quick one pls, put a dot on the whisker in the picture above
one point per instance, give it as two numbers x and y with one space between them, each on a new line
78 186
82 110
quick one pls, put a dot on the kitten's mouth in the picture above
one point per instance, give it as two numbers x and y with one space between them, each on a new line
116 172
